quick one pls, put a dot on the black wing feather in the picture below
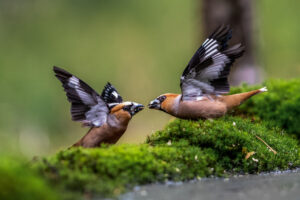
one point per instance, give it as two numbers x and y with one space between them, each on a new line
208 69
110 94
86 105
222 35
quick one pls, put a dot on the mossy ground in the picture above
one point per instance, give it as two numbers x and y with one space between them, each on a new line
183 150
281 104
249 142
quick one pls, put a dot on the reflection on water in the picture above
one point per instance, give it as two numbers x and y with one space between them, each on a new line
269 186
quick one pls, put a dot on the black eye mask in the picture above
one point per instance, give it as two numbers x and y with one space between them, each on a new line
128 108
161 98
133 108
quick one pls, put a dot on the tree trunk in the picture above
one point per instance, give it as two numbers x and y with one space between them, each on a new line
239 15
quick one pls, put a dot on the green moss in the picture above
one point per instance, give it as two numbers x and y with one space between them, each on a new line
230 139
183 150
281 104
18 181
112 170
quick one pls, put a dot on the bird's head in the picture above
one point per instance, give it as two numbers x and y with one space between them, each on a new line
163 102
157 103
127 107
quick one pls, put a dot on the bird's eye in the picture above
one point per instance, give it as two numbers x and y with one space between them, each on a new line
127 108
161 98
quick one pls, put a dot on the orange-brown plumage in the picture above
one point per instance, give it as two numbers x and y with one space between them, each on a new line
204 82
108 133
235 100
106 114
168 103
206 108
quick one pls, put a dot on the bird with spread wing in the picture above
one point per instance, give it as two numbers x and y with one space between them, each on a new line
106 114
205 81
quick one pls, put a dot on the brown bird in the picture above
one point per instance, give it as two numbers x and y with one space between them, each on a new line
107 115
205 80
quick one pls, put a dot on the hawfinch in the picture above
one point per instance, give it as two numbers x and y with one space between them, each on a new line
106 114
205 80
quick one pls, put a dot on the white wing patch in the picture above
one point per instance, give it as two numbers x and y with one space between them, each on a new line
84 96
219 62
199 98
115 94
97 115
208 69
210 48
110 105
127 103
87 106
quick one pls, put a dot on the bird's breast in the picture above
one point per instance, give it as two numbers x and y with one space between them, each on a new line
107 134
205 108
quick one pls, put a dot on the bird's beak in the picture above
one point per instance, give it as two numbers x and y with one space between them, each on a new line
136 108
155 104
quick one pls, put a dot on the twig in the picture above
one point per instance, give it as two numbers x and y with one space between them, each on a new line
266 144
249 154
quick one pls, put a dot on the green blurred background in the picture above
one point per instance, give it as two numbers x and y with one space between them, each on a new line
141 47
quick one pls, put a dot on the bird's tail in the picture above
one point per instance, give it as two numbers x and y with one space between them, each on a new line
264 89
237 99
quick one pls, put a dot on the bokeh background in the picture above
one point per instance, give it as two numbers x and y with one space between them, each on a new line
141 47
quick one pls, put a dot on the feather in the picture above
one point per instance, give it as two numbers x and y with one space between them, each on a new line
110 94
209 68
86 105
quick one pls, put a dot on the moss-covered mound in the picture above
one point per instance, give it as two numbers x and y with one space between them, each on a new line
281 104
112 170
18 181
231 140
183 150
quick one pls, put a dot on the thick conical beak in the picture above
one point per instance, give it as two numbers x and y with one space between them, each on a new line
136 108
155 104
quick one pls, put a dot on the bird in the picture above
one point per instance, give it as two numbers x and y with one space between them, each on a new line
205 81
106 114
